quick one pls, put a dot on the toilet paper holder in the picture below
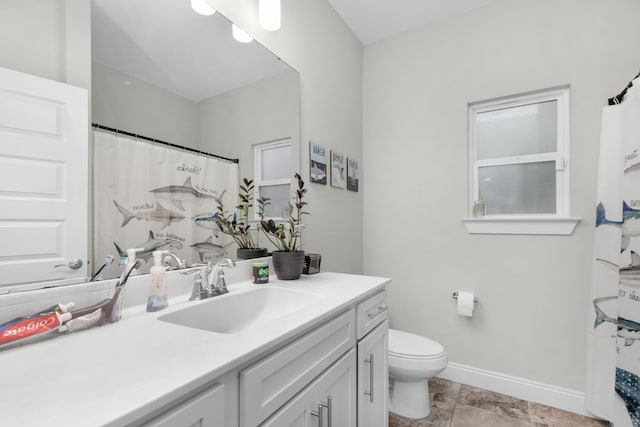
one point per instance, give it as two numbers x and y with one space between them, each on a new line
455 296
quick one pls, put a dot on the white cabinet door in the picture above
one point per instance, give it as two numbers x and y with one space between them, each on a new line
336 396
43 179
204 410
373 378
270 383
335 387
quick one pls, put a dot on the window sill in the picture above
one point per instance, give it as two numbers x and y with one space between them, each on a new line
563 226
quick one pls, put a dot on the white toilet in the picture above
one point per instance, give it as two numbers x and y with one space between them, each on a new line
413 359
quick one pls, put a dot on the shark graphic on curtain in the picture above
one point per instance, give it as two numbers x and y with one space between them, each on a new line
154 197
613 356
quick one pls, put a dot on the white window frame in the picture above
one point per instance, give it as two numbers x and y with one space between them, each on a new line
558 223
257 172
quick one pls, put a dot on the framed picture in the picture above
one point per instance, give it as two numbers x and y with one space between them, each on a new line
352 174
337 170
317 163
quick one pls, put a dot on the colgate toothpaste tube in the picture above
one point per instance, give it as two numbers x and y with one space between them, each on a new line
30 326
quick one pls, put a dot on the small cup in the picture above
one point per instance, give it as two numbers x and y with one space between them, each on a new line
479 209
260 272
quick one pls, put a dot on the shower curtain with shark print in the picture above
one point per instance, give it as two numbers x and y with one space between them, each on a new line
613 356
154 197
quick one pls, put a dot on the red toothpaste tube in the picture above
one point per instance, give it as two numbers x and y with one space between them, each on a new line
32 325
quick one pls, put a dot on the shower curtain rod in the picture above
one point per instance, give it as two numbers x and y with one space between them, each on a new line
620 97
157 141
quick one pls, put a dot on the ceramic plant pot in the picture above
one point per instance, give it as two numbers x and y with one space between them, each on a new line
288 265
251 253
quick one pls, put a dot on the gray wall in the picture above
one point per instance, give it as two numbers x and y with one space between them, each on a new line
123 102
532 317
47 38
231 123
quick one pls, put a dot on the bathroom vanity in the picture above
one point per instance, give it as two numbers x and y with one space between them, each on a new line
310 352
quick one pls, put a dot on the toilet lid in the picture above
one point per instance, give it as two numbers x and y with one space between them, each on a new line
411 346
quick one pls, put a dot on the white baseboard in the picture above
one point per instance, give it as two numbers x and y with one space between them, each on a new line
546 394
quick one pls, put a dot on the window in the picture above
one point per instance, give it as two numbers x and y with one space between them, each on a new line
519 163
272 163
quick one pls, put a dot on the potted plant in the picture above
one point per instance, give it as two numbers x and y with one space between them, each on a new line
240 230
288 259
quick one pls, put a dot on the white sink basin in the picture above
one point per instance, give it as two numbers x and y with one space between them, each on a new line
235 312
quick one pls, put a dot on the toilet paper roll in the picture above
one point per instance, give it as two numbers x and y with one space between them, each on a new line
465 303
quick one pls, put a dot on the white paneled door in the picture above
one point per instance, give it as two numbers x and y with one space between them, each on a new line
43 179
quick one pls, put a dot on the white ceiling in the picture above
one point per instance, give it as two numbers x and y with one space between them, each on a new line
167 44
374 20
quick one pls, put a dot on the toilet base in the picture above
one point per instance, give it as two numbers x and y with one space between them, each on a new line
409 399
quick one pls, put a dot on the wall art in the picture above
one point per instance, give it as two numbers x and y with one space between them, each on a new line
337 170
352 174
317 163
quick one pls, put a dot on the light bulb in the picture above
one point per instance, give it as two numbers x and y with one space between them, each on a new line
269 14
240 35
202 7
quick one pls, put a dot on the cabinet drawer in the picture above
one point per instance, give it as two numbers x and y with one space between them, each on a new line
204 410
370 313
339 383
268 384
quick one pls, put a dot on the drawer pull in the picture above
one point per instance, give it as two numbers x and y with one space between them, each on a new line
371 371
320 412
378 313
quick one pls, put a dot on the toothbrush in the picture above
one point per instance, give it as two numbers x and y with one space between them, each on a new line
106 311
98 275
114 312
125 274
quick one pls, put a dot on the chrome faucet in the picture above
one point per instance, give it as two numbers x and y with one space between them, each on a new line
198 292
215 276
166 261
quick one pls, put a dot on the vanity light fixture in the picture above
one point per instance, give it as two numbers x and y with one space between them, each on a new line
269 14
240 35
202 7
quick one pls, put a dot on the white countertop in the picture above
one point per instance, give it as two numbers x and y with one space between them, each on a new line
115 374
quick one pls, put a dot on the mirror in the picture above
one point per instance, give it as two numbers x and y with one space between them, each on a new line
162 71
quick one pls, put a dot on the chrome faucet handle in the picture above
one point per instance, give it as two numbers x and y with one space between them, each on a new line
219 284
215 276
225 262
191 270
198 292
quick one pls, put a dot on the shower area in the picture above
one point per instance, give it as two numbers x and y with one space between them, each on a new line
613 356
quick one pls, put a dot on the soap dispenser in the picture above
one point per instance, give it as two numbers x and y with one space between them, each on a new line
131 260
158 278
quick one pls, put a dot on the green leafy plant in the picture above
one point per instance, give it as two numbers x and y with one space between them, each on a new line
230 225
286 236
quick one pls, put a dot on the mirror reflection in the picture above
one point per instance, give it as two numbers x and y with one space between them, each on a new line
162 71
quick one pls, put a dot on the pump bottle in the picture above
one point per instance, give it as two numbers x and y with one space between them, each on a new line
158 277
131 260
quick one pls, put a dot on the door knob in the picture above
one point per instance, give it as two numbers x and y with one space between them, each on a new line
74 264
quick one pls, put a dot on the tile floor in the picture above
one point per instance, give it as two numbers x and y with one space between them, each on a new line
459 405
